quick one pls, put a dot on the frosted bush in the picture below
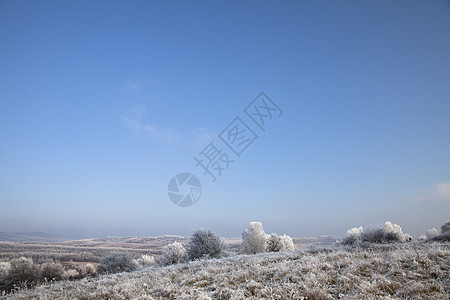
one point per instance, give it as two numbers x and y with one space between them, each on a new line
254 239
4 271
205 244
87 269
355 231
23 271
432 233
407 237
277 243
288 243
273 243
389 233
353 235
116 262
445 228
394 233
373 235
70 274
51 271
445 233
172 254
146 260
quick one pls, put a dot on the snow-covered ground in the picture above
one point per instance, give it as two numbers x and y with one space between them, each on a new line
409 270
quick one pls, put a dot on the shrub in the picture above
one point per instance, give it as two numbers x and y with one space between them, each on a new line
407 237
277 243
4 271
205 244
52 271
445 228
288 243
23 271
432 233
394 233
254 239
71 274
86 270
422 237
373 235
390 233
273 243
445 233
146 260
116 262
172 254
353 236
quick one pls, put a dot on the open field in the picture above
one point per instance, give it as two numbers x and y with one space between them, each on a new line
415 270
92 250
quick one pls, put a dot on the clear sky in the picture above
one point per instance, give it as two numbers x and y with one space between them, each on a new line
103 102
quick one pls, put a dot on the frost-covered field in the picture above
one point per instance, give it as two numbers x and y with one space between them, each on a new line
411 270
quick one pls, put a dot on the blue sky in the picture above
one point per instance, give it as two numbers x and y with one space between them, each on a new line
103 102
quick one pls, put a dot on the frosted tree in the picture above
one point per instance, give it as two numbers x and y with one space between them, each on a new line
205 244
353 235
394 233
445 228
172 254
277 243
255 239
432 233
274 243
4 271
146 260
287 242
422 237
52 270
116 262
389 233
23 271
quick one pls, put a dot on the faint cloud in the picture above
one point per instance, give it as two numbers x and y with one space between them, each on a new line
138 86
133 119
439 193
132 124
137 111
201 136
133 116
166 134
131 86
